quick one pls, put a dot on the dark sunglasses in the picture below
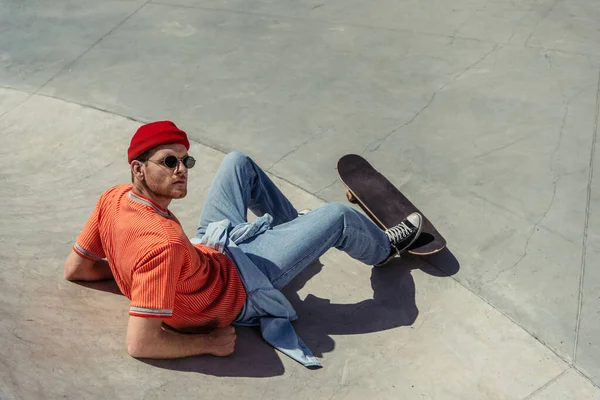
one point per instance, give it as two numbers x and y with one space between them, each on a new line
172 161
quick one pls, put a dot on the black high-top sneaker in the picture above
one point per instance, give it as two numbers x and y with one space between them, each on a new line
403 235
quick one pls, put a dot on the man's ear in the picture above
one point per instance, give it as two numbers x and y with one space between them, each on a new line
136 170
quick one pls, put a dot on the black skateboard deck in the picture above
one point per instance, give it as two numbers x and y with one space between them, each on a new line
384 203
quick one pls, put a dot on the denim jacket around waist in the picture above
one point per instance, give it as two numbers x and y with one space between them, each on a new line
265 305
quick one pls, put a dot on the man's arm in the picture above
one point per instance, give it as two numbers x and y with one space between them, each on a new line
147 339
78 268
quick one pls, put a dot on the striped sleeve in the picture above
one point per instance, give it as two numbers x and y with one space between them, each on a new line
88 244
154 281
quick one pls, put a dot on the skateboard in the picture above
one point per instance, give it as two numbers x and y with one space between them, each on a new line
384 203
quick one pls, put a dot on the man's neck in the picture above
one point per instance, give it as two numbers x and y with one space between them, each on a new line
161 201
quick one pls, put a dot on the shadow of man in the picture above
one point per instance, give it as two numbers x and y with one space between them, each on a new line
393 305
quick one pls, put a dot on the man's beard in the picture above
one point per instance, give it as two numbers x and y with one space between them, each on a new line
164 193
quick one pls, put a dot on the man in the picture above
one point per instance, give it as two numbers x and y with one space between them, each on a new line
232 272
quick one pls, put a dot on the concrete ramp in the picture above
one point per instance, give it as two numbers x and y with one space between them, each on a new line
405 331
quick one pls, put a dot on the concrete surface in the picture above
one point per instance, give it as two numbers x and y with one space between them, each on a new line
485 113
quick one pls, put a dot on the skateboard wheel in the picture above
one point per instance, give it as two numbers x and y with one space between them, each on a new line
351 198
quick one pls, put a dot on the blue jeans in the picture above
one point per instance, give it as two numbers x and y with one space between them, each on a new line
293 242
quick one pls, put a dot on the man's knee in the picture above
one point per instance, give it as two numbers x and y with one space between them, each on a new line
338 209
237 159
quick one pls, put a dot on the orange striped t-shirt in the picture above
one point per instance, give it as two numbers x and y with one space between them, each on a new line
156 266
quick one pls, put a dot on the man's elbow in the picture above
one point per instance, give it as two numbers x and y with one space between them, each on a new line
140 346
136 348
143 337
69 272
72 266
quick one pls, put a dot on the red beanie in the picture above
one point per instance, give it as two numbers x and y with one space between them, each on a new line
155 134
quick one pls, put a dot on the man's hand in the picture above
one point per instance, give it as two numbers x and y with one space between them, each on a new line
147 339
222 341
